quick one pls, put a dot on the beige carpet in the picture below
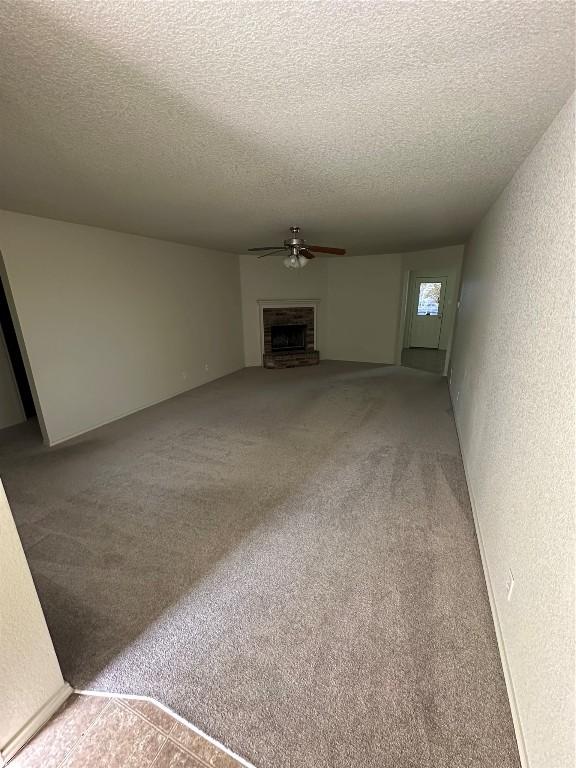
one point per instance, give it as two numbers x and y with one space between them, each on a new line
285 558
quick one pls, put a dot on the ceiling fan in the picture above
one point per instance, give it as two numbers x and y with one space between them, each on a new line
298 251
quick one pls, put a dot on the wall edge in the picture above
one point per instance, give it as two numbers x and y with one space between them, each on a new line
35 723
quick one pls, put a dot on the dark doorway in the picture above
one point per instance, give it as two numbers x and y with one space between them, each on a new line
15 355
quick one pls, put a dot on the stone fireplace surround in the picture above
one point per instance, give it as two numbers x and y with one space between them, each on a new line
282 314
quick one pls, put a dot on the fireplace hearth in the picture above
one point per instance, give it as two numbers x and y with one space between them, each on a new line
289 337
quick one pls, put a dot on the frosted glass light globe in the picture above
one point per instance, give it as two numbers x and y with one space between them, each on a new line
295 262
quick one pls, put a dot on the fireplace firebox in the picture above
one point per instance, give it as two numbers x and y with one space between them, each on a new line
288 338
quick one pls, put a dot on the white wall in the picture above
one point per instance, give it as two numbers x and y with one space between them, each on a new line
112 322
31 684
360 299
513 393
11 410
363 299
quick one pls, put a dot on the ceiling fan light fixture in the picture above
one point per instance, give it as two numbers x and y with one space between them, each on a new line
295 261
292 261
300 252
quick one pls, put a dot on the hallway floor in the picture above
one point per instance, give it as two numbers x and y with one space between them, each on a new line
286 558
113 732
431 360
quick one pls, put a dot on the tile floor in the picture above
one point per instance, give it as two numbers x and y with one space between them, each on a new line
104 732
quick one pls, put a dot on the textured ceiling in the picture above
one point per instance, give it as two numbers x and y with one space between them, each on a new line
377 126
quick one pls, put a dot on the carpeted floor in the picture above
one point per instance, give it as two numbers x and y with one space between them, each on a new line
285 558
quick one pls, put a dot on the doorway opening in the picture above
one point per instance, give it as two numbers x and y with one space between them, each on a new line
427 320
15 355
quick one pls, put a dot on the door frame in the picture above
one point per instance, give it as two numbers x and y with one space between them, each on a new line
452 276
414 278
22 346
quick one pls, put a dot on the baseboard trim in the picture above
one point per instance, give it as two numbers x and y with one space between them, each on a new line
35 723
173 714
187 388
517 722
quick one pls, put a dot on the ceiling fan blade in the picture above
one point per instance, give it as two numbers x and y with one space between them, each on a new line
307 253
279 250
325 249
267 248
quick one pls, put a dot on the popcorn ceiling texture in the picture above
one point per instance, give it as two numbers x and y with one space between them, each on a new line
380 126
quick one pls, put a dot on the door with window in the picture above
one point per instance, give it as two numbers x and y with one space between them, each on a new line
427 311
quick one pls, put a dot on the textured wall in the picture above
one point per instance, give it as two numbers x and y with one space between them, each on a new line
513 390
11 411
113 323
29 670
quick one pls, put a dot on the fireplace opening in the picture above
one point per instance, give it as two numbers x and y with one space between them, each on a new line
288 338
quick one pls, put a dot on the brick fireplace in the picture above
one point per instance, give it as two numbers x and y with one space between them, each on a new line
288 336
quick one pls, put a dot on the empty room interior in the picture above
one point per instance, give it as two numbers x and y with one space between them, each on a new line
287 384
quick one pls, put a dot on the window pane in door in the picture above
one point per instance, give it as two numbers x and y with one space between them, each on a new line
429 299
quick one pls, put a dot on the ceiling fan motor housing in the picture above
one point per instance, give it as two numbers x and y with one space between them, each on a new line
294 243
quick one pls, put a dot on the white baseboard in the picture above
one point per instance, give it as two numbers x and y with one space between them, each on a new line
34 724
59 440
521 742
